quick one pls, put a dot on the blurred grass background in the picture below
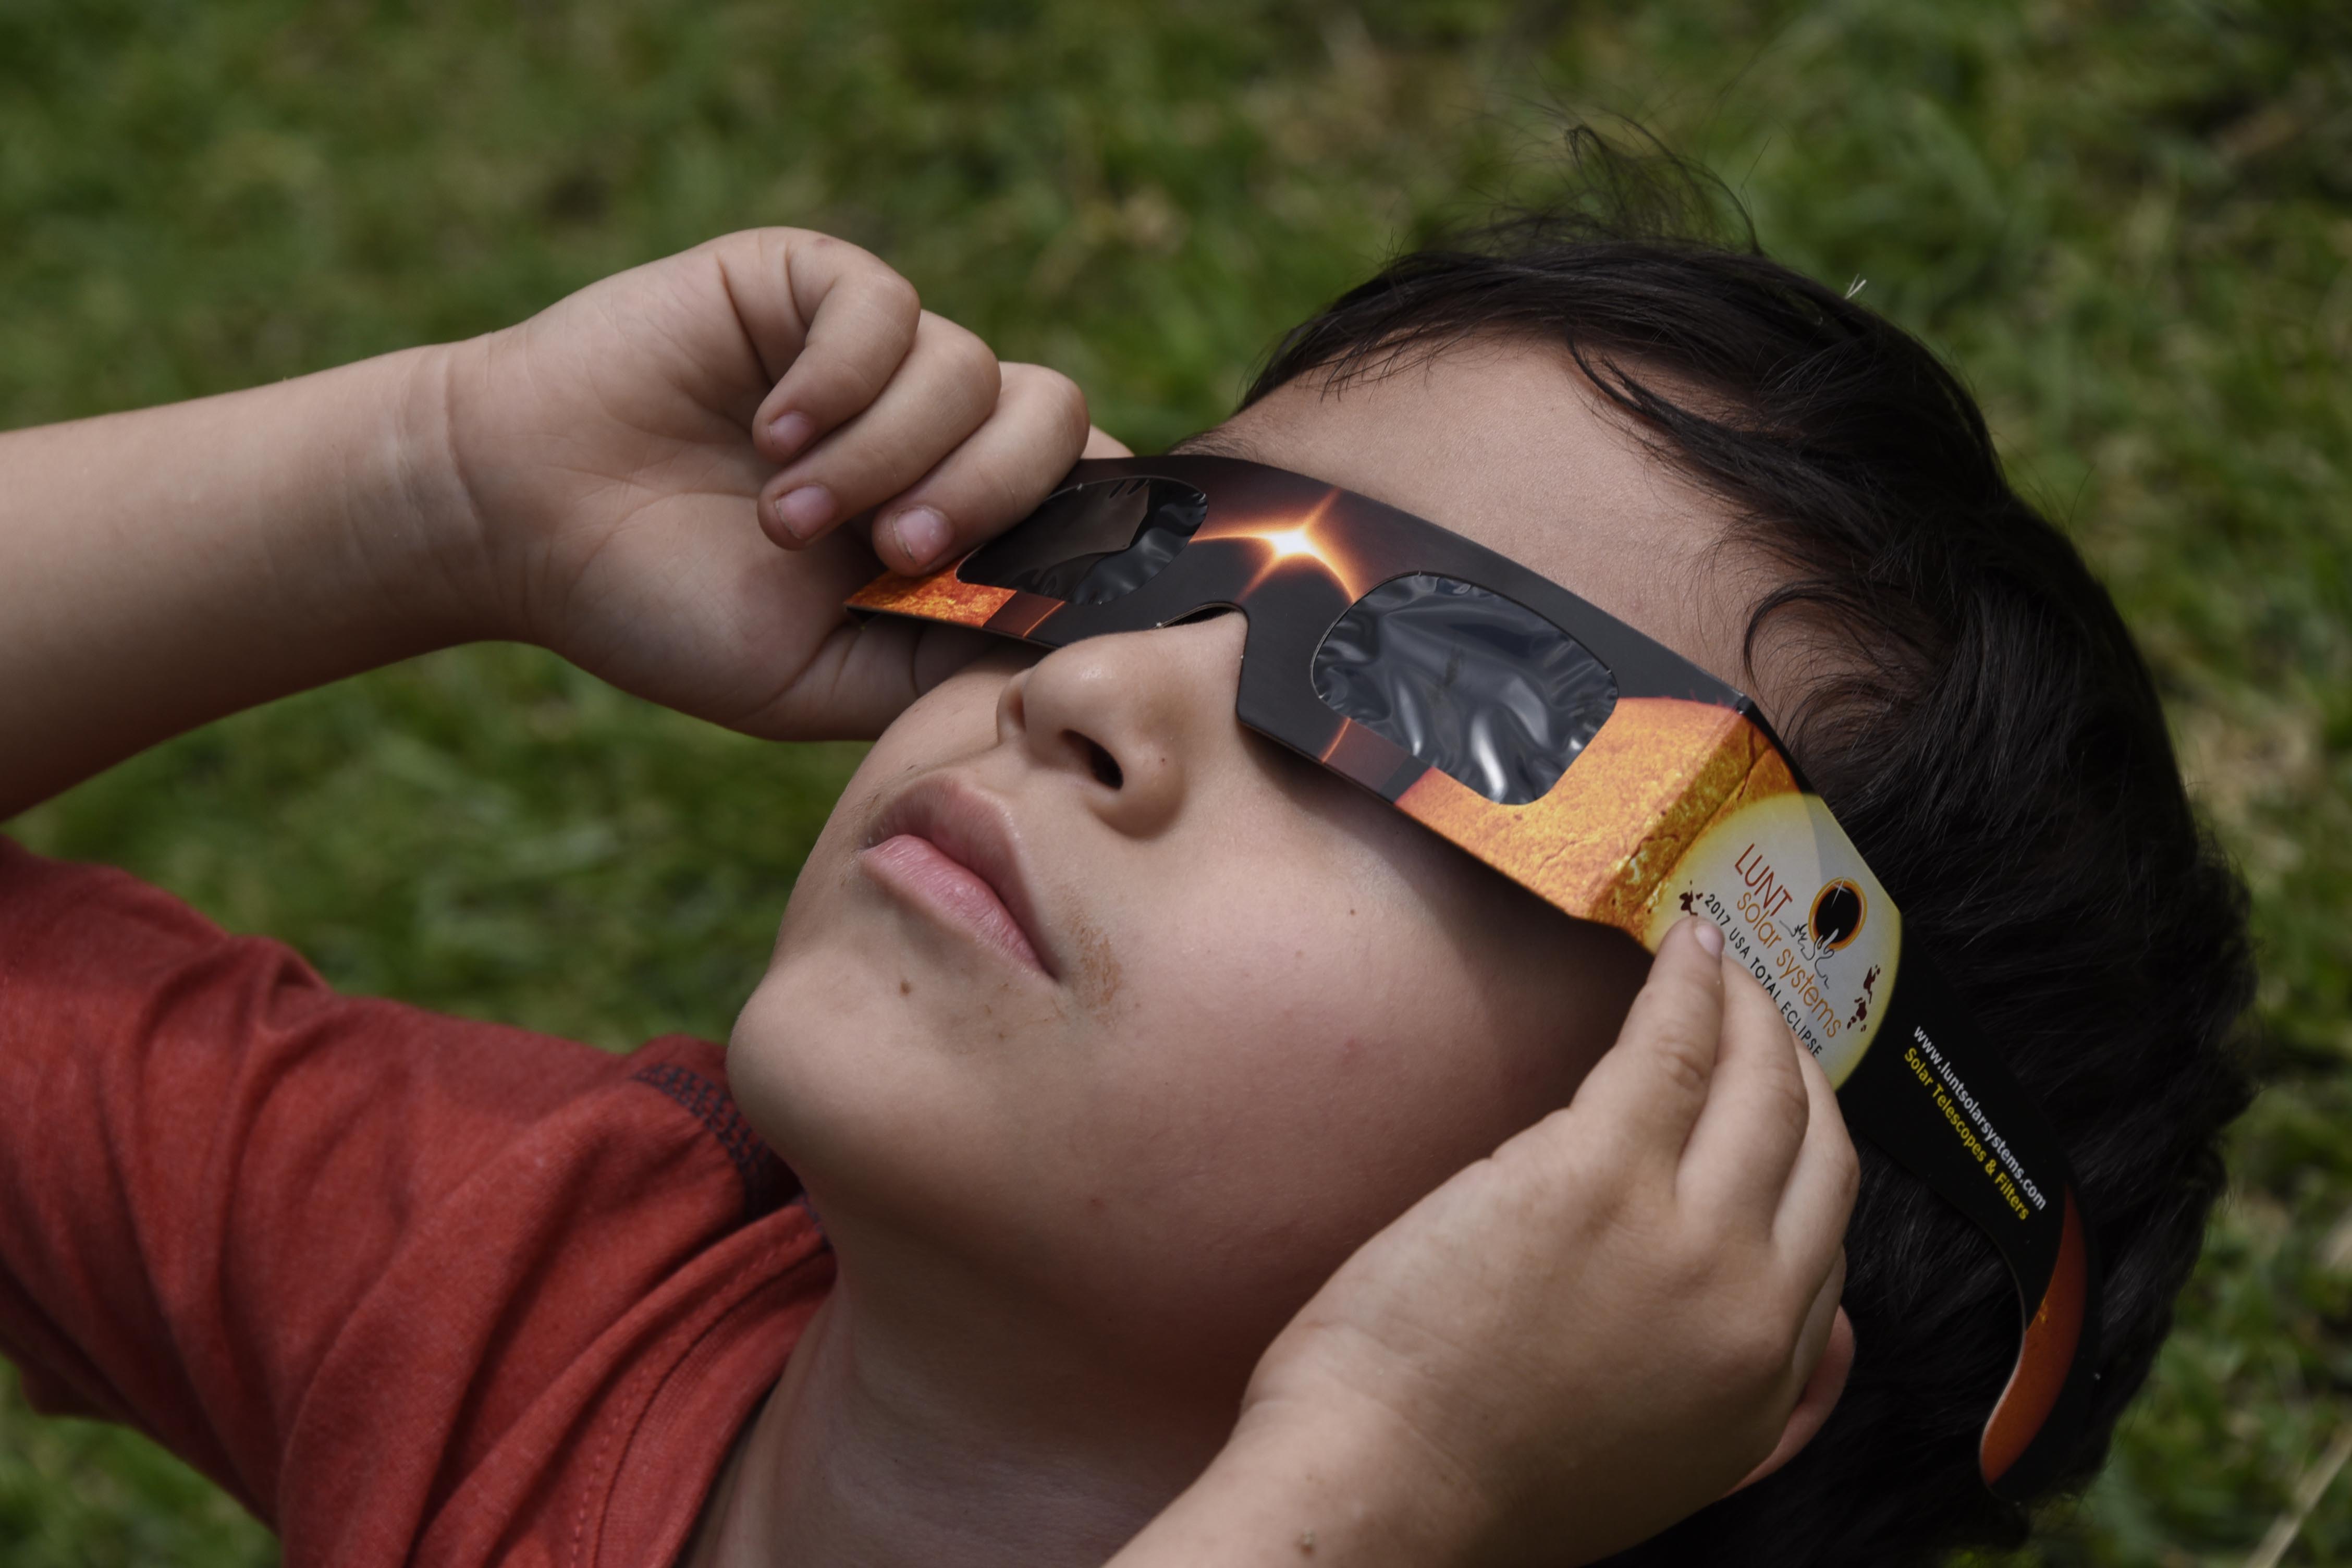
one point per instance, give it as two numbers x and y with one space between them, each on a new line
2130 224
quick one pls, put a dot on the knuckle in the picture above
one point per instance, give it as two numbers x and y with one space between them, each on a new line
1048 385
1688 1268
769 249
833 250
892 291
1062 404
1754 1354
1077 424
1682 1062
975 362
1845 1171
768 242
1787 1099
1054 385
873 281
821 252
958 359
1588 1185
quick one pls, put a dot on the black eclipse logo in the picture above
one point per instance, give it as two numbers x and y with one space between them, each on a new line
1839 910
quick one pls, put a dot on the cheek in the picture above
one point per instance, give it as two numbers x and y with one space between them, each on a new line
1292 1078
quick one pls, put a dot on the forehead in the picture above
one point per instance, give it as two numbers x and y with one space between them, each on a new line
1513 446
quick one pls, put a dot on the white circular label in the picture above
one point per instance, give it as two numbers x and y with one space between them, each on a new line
1797 906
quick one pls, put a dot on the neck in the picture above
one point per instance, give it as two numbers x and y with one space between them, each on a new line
970 1433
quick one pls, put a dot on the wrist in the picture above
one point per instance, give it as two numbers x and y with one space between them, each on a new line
428 542
1302 1487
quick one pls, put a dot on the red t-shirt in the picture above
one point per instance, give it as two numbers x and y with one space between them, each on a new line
414 1290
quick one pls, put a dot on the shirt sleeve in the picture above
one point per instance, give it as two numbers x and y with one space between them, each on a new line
208 1159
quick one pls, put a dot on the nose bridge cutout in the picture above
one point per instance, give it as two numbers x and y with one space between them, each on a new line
1208 612
1133 714
1148 677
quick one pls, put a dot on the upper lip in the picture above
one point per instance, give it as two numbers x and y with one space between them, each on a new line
973 828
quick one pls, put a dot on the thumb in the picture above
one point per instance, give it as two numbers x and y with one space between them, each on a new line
1645 1094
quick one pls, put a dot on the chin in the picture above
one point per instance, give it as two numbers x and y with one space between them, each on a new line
847 1083
802 1058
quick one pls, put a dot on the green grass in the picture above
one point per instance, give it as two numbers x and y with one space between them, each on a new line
2130 225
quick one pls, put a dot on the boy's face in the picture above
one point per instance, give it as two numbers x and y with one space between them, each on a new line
1097 1001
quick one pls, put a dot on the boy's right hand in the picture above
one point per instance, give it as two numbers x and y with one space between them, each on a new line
663 477
1629 1309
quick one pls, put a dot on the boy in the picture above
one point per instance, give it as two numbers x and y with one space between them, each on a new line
1089 1128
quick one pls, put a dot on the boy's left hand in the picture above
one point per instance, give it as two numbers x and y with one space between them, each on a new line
667 477
1628 1311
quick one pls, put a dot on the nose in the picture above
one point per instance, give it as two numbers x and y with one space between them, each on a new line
1130 718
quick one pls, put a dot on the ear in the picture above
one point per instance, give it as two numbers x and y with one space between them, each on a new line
1819 1397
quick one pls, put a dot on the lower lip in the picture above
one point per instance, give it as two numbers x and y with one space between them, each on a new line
919 870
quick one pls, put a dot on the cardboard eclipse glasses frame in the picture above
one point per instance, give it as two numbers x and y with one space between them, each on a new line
1602 771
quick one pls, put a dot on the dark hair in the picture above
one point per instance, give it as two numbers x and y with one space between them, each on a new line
1989 736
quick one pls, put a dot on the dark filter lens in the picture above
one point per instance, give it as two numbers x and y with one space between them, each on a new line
1476 684
1093 543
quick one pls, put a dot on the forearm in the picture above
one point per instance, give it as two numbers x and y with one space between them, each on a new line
162 568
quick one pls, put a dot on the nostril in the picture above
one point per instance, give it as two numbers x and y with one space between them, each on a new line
1104 766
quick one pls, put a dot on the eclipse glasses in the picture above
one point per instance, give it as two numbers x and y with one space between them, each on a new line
1599 768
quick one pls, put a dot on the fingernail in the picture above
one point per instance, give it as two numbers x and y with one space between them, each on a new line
788 433
1707 936
922 534
804 511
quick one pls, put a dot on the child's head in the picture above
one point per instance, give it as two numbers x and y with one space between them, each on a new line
1267 1012
1247 1014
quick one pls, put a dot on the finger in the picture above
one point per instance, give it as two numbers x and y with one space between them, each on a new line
1101 442
831 323
1819 1368
995 479
1821 1322
944 389
1645 1093
1746 1142
1819 1197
